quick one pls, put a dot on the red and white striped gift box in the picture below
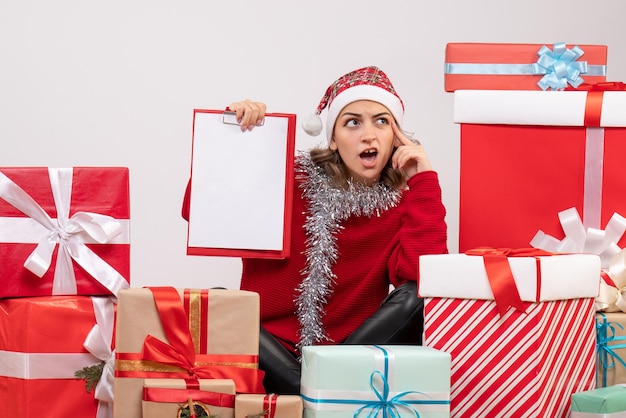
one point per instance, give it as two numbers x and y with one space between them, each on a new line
519 364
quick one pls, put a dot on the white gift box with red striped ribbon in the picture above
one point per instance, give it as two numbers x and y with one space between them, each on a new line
513 363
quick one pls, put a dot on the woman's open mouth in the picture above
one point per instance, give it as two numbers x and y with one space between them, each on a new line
368 157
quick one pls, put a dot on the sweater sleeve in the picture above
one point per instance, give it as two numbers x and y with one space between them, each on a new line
423 231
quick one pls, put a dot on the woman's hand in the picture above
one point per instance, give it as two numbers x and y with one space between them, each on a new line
409 156
249 113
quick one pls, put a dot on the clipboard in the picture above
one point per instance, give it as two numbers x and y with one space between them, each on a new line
241 192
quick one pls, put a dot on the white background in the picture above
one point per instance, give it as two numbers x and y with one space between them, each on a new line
115 83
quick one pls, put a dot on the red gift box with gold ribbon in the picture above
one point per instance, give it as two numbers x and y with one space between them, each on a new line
64 231
44 341
529 156
501 66
163 332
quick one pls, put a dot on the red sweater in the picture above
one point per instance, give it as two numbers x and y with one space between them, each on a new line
373 252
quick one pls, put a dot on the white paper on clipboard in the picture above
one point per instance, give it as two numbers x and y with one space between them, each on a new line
239 185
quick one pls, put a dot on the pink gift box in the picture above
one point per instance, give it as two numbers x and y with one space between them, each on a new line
64 231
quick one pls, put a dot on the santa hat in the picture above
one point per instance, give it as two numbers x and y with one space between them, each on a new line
368 83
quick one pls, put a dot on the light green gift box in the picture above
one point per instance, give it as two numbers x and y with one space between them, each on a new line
341 380
608 402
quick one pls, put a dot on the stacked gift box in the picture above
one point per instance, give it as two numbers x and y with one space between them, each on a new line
64 247
541 144
183 340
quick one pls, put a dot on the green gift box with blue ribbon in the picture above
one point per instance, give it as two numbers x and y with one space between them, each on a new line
611 348
375 380
608 402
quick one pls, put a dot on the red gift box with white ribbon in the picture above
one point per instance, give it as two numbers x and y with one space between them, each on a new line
44 341
526 156
64 231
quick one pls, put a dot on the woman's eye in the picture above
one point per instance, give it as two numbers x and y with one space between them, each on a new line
383 121
352 122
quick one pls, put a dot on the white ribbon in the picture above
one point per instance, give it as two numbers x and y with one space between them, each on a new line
579 239
68 232
613 298
43 365
98 343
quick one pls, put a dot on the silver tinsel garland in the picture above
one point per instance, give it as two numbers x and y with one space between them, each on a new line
328 205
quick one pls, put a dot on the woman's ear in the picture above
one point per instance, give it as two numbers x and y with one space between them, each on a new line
333 144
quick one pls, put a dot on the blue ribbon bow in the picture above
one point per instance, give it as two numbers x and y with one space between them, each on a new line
605 333
559 67
389 407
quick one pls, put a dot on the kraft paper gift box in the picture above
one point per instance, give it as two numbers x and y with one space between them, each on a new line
611 348
510 362
268 406
163 332
501 66
528 156
166 398
44 341
609 402
401 381
64 231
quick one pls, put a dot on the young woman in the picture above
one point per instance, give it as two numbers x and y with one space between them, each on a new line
366 206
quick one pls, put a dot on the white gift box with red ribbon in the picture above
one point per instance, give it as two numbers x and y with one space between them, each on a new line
523 361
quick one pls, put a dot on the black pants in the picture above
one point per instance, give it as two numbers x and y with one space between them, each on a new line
398 320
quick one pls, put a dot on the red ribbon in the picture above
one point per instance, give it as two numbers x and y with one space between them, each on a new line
499 274
595 95
269 404
224 400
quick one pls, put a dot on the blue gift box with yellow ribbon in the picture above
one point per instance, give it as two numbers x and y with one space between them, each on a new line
368 380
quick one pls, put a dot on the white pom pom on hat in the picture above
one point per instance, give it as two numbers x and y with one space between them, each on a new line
367 83
312 125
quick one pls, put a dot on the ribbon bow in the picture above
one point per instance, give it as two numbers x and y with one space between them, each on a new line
605 333
612 295
98 343
388 406
500 276
68 232
579 239
180 352
559 67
